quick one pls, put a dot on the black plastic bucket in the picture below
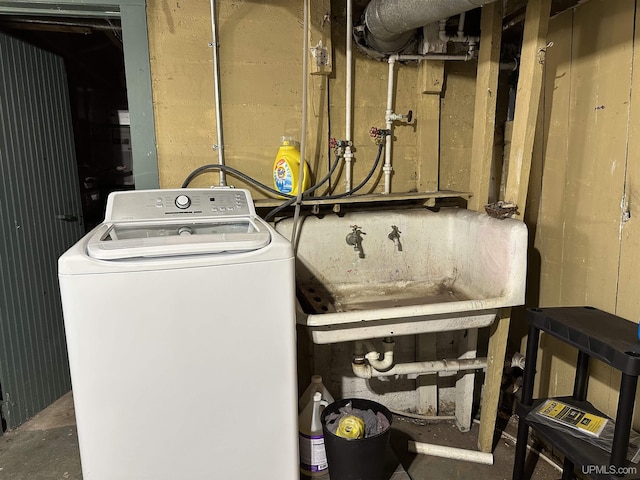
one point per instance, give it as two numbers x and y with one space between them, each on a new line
357 459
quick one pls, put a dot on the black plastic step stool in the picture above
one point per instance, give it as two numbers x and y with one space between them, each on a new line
597 334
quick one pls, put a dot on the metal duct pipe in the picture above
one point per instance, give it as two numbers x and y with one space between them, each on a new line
390 23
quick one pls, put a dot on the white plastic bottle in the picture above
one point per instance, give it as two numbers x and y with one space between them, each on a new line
313 458
316 385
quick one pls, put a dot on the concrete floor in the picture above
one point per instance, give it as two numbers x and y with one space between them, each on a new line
46 447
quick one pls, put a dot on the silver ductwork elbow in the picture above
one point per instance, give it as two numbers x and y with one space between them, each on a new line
390 24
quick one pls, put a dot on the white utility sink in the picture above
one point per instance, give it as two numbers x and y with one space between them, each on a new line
450 270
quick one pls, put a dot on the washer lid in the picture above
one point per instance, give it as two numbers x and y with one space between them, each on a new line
113 241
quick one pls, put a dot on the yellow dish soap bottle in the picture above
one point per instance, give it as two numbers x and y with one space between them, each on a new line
286 168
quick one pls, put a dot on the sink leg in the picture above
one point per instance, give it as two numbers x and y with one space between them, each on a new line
427 385
466 380
493 379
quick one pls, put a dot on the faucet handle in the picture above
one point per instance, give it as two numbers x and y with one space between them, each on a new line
394 235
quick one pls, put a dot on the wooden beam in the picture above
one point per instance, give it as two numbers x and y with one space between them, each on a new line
484 122
524 126
534 46
493 379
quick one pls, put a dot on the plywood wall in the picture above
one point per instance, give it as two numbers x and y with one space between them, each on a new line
261 65
456 119
588 170
260 93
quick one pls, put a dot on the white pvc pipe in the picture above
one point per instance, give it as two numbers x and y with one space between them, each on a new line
435 56
450 452
348 167
389 116
513 439
463 16
373 357
374 360
421 368
387 168
348 154
518 360
459 38
216 88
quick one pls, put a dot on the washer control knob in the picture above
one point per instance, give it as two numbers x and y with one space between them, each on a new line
182 201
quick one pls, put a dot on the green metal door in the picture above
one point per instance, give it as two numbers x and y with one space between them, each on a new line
40 217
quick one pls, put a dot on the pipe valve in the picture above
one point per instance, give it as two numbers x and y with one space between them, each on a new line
409 116
379 134
339 145
392 117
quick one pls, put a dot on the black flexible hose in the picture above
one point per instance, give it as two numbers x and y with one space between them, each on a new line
238 173
290 202
361 184
244 176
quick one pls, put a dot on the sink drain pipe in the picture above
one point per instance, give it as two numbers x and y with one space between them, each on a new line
416 369
366 350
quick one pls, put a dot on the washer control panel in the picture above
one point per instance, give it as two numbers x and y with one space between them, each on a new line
198 203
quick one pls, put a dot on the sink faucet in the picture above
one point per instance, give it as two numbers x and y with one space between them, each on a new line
355 239
395 237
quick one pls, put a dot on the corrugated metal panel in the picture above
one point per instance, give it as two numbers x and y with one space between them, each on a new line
38 182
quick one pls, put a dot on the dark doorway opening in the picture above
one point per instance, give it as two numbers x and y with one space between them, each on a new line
93 54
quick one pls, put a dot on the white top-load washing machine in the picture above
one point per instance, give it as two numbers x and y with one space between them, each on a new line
180 321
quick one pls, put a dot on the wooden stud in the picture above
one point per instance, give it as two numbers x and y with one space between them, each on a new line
430 82
484 122
534 45
427 385
480 178
524 126
493 379
431 76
